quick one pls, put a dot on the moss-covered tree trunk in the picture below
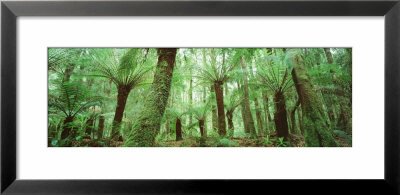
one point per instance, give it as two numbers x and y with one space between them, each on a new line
350 61
67 127
123 93
167 127
300 120
147 126
178 129
328 55
246 100
293 117
219 96
101 128
280 116
316 131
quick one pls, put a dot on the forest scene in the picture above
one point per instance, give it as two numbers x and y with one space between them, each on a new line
199 97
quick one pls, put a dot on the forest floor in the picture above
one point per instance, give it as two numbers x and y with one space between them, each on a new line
295 141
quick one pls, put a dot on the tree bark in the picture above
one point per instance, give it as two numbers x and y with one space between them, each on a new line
178 129
280 117
147 126
214 111
246 100
205 119
219 95
123 93
67 127
229 115
89 126
101 128
316 132
201 126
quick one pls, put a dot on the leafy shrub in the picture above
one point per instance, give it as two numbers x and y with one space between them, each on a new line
282 143
268 140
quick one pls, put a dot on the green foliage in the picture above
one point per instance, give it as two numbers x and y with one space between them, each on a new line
213 69
274 72
82 80
123 67
227 143
281 142
72 98
268 140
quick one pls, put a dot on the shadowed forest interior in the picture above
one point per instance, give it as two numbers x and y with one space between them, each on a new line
200 97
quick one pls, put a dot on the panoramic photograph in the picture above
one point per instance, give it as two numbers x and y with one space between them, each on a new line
199 97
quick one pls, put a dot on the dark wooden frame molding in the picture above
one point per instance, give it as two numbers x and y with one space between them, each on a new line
10 10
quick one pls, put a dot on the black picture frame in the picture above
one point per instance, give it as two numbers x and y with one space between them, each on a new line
10 10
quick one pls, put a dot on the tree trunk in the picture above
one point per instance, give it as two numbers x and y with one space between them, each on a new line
190 100
101 128
293 117
201 126
89 126
147 126
67 127
205 119
268 118
246 100
178 129
229 115
123 93
214 111
350 62
328 55
243 112
219 95
258 109
259 118
280 117
167 128
316 132
300 119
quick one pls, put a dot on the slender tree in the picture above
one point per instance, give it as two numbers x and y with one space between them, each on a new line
247 111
